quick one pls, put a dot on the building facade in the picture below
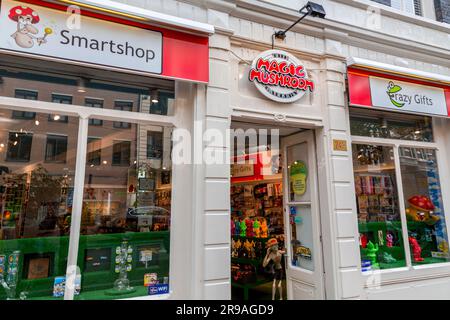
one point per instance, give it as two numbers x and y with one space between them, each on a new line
114 158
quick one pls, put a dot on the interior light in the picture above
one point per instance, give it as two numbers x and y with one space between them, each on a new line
36 122
154 95
81 84
105 162
2 145
417 132
15 143
56 117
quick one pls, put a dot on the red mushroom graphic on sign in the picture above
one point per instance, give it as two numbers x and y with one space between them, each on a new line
25 34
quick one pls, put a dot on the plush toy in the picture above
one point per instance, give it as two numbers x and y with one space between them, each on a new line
363 240
233 227
237 227
249 226
388 258
389 240
234 252
416 249
372 250
264 229
421 210
243 228
256 228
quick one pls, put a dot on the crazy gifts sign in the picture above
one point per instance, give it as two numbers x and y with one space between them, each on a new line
52 33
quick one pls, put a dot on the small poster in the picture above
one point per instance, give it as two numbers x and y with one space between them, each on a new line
59 286
158 289
298 176
150 279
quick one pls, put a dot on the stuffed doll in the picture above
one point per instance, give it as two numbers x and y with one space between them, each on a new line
233 227
264 229
243 228
249 226
237 227
256 228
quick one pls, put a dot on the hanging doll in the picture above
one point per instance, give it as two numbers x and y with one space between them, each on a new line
237 227
233 227
243 227
274 256
256 228
264 229
249 226
234 253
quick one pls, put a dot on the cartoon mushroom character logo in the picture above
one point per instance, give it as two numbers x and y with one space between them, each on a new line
26 32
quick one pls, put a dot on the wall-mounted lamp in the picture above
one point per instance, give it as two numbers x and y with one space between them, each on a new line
82 84
154 95
312 9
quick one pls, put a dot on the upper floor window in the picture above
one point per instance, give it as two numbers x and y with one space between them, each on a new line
63 99
19 146
123 106
409 6
94 103
28 95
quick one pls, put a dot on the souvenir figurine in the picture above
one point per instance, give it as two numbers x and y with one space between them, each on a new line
421 210
252 250
243 228
363 240
416 249
256 228
274 256
248 248
237 227
233 227
234 253
389 240
372 250
388 258
264 229
249 226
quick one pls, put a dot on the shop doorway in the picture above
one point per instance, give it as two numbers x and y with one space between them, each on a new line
274 203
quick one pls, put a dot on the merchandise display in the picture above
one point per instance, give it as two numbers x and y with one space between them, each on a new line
256 218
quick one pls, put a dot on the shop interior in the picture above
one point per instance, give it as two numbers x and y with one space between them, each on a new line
257 215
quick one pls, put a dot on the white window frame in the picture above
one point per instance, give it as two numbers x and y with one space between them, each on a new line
409 272
83 114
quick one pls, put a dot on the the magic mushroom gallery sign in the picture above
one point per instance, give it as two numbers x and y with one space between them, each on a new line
48 30
280 76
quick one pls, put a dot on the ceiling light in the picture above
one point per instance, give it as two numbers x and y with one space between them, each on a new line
56 117
2 145
36 122
82 84
154 95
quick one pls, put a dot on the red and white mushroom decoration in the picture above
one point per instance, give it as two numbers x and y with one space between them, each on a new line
421 203
22 11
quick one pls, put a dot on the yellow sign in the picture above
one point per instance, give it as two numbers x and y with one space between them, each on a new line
242 170
298 176
339 145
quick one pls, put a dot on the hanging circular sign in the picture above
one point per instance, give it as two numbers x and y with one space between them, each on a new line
280 76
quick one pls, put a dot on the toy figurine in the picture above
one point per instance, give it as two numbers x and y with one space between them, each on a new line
389 240
233 227
421 210
416 249
256 228
372 250
264 229
243 228
363 240
388 258
274 255
249 230
237 227
248 248
234 253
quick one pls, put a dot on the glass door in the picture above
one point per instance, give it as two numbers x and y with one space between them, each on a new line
304 252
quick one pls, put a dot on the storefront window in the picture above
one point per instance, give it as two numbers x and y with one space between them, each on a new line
124 247
385 125
36 203
379 220
427 227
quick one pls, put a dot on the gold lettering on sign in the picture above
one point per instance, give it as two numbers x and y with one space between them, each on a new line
339 145
242 170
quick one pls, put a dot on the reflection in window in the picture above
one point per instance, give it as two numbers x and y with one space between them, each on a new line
154 145
28 95
19 146
94 103
123 106
56 148
379 220
121 153
161 102
63 99
94 151
427 228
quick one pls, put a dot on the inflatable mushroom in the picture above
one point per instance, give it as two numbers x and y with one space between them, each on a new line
421 209
25 18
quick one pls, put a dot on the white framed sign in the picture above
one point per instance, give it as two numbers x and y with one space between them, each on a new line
280 76
407 97
47 32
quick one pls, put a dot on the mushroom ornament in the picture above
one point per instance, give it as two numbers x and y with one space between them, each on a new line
421 210
25 34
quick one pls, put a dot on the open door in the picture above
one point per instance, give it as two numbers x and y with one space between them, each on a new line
304 260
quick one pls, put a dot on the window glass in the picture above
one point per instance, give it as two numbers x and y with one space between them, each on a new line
56 148
385 126
161 102
94 103
36 204
124 106
94 151
19 146
24 94
427 228
63 99
124 244
379 221
154 145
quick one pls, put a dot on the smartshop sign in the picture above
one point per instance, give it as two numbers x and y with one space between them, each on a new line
407 97
46 32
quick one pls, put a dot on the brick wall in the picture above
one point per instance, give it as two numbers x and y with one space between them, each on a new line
442 10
